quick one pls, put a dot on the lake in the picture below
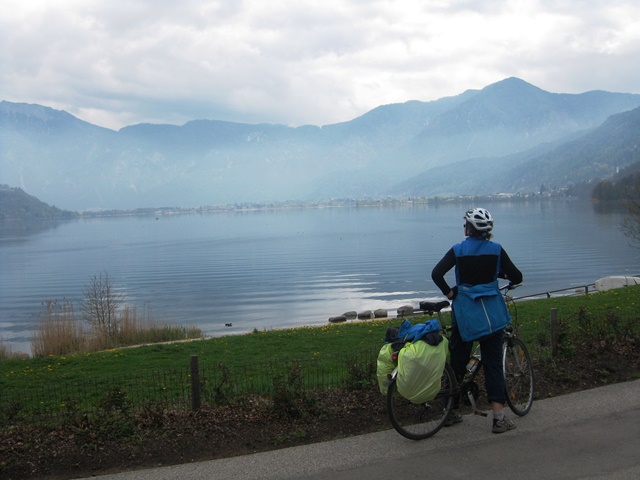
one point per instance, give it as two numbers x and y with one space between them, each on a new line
291 267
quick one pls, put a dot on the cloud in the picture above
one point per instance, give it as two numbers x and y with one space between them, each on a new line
120 62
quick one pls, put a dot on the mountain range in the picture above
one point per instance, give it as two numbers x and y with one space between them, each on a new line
507 137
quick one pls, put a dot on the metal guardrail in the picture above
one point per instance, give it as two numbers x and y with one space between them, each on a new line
563 292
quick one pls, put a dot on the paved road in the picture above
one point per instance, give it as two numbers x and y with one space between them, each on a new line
588 435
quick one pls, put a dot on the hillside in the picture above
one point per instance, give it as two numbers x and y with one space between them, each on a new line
579 158
15 204
505 128
621 187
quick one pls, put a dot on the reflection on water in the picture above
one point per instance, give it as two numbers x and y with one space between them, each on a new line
20 231
274 269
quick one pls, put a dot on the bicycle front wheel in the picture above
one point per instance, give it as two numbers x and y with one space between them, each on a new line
518 376
420 421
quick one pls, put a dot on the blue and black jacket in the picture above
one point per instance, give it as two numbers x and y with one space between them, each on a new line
478 307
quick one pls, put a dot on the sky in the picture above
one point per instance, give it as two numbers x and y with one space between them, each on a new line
296 62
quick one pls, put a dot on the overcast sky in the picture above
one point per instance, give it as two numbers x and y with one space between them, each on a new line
120 62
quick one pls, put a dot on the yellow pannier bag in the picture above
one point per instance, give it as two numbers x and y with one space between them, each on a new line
420 368
385 366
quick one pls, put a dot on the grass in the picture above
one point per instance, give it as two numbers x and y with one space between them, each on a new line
315 343
266 357
233 351
581 318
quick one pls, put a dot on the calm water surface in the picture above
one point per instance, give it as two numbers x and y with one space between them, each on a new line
273 269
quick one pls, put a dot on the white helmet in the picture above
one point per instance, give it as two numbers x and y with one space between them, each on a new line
480 219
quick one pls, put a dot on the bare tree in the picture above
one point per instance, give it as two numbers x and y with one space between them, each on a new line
101 304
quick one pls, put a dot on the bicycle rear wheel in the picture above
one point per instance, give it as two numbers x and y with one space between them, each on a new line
420 421
518 376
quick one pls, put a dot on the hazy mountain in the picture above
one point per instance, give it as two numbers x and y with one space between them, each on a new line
599 153
76 165
587 155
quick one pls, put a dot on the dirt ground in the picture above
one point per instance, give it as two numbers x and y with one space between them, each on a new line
158 437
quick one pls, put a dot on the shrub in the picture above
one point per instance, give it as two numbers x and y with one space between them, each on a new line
5 351
59 332
288 393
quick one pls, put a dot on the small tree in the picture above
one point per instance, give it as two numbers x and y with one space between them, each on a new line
101 304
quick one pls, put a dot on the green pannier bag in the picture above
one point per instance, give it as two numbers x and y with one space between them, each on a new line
420 368
385 366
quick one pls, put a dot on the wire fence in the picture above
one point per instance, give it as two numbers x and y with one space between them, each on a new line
176 389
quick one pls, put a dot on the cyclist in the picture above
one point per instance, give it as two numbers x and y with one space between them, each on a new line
478 312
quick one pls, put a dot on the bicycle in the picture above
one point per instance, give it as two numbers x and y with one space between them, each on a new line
420 421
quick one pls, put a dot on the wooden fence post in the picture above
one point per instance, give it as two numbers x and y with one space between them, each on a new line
554 332
195 383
